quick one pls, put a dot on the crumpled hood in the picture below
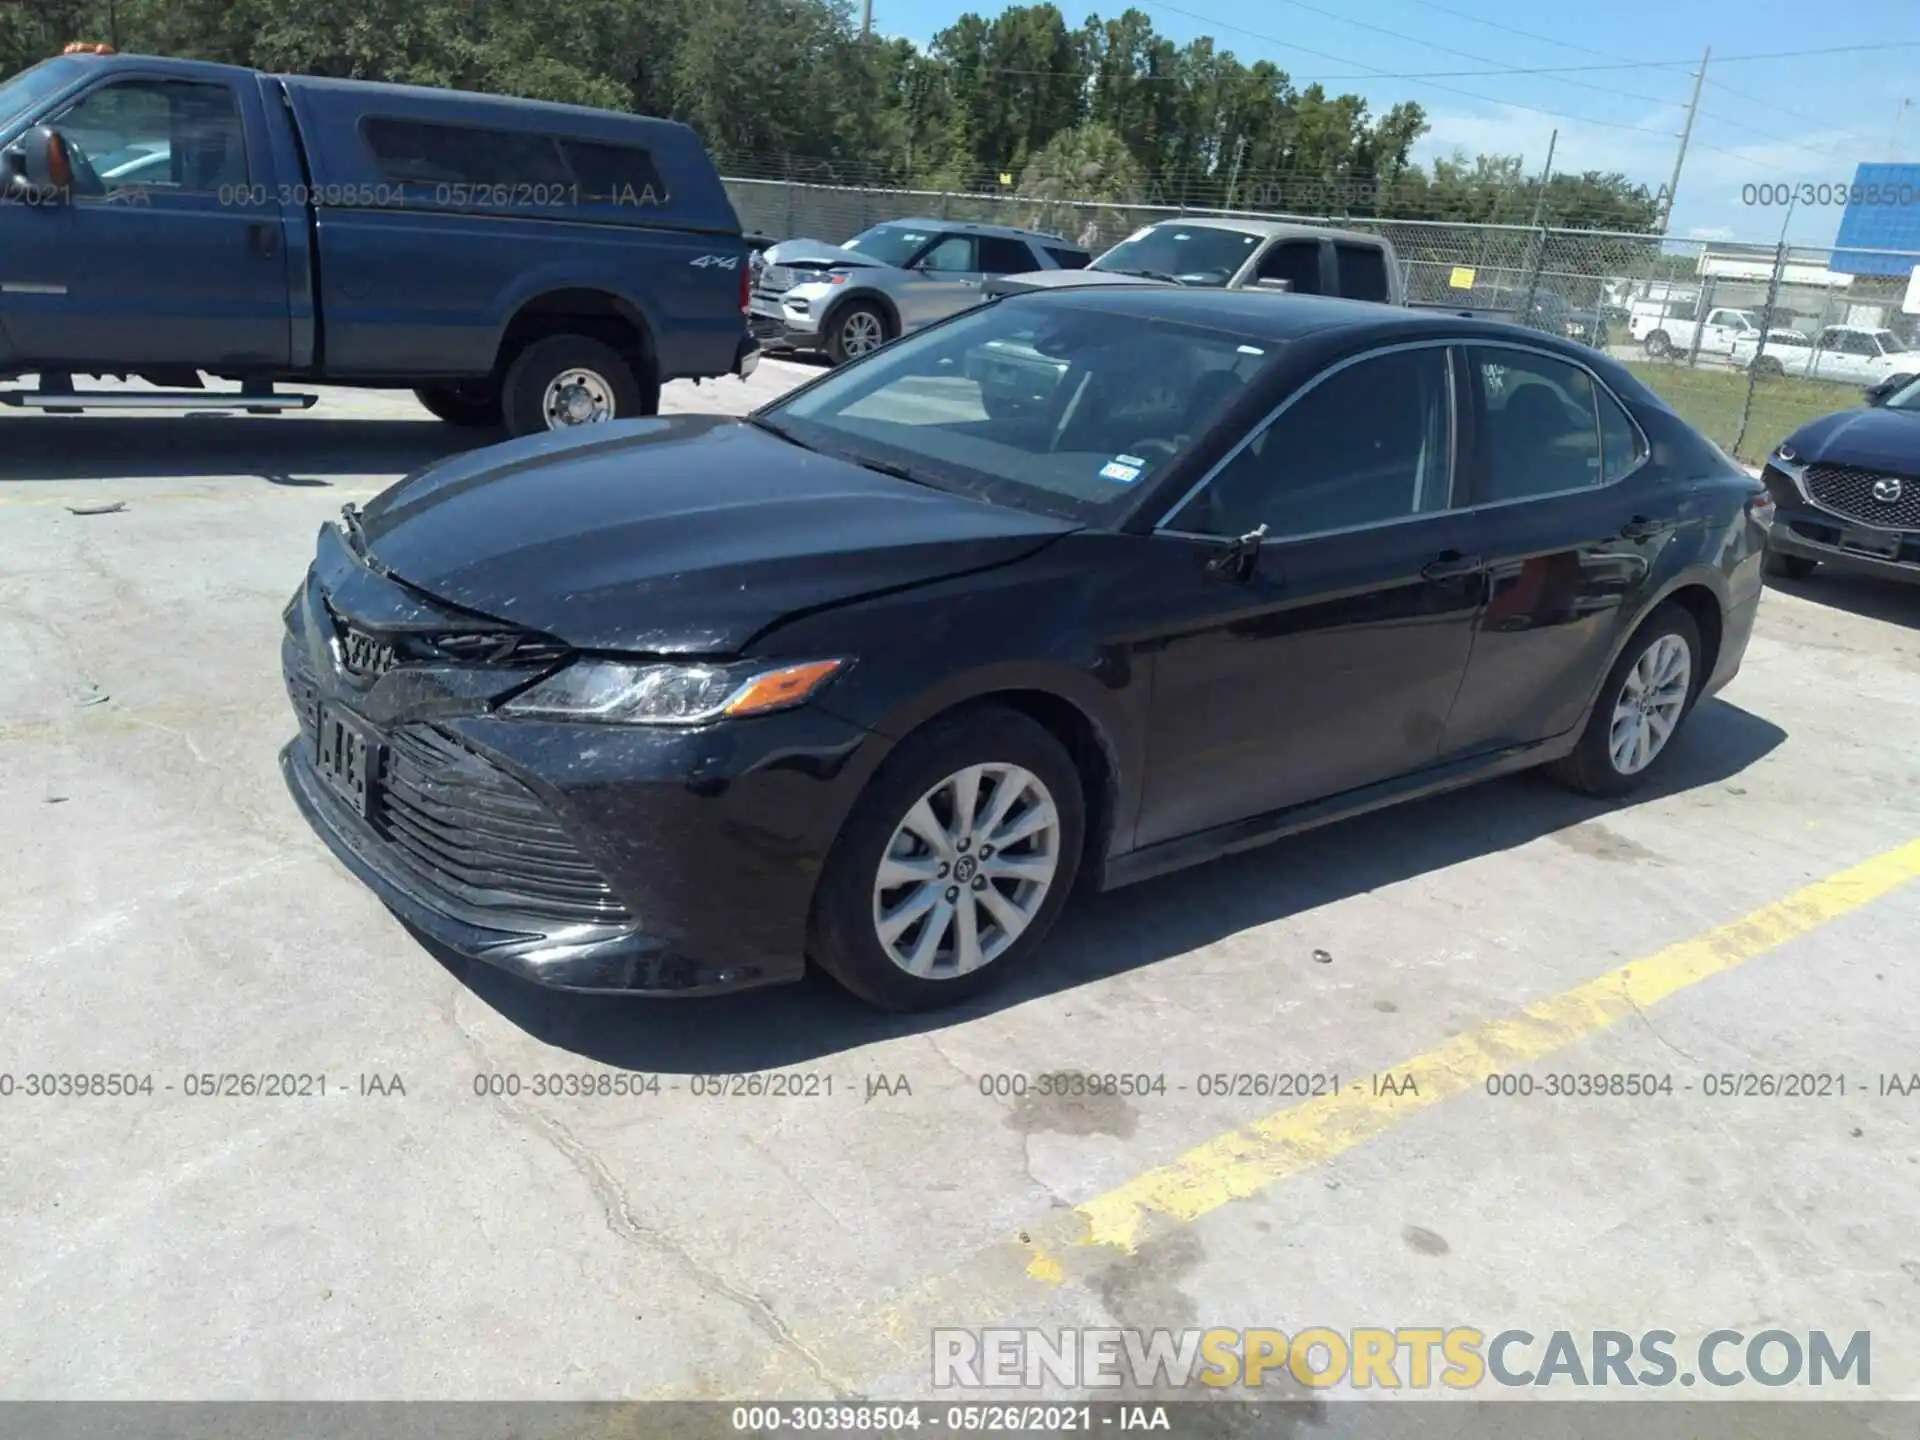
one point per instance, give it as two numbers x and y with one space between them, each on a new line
683 535
1871 439
815 254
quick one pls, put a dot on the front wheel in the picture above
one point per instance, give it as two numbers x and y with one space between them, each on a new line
859 329
566 381
955 863
1790 567
1648 693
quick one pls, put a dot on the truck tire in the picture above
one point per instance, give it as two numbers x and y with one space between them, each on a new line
857 329
1768 366
467 403
565 381
1659 345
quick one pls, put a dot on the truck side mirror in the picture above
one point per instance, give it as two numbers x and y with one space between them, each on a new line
45 163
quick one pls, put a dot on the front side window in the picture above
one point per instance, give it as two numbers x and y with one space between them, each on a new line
1191 254
167 136
953 255
1369 443
1295 261
1540 436
1036 402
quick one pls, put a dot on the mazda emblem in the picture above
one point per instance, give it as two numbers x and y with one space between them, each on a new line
1887 490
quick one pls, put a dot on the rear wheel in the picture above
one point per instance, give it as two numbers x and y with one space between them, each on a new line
1659 345
1790 567
566 381
858 329
471 403
1647 696
1768 366
955 863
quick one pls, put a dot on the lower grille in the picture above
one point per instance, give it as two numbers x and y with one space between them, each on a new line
1849 490
480 836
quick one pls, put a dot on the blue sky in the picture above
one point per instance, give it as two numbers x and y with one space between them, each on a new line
1761 121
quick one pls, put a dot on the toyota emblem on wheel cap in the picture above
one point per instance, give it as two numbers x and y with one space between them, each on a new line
1887 490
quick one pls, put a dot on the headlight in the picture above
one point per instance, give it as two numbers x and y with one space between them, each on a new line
620 693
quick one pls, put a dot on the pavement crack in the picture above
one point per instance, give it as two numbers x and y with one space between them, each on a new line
1654 1031
611 1198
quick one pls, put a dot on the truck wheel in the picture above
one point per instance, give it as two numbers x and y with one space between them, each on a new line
566 381
1659 345
859 329
472 404
1768 366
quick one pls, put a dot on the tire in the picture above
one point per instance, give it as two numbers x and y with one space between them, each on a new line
470 404
1767 366
609 384
852 332
1658 345
845 934
1790 567
1591 768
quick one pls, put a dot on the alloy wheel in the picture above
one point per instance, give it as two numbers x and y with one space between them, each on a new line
1651 700
860 333
577 397
966 871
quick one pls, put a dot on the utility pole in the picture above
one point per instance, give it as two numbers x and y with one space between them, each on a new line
1233 175
1686 134
866 18
1546 179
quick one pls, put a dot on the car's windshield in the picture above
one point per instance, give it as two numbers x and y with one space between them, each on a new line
1907 397
1042 402
1889 343
19 95
1192 254
890 244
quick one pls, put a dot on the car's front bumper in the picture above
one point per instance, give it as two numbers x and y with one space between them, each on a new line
638 859
1811 531
783 324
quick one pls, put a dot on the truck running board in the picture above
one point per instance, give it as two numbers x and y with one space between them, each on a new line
74 400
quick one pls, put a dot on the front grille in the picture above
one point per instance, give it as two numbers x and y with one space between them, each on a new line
478 835
1849 490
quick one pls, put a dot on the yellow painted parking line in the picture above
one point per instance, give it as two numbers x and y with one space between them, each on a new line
1077 1244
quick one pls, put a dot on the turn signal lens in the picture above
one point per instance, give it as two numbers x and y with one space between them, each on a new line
777 689
1762 508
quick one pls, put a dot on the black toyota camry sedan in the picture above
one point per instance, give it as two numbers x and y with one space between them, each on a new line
1073 589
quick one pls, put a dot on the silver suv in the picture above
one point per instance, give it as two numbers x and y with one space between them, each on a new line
889 280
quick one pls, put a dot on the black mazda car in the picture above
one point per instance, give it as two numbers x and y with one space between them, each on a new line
1848 489
1073 589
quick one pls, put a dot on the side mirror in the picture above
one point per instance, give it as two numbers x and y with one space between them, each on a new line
1883 392
1278 287
45 165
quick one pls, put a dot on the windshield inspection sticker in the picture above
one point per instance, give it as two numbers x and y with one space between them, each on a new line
1119 470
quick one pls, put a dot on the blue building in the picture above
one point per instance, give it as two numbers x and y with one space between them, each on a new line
1883 213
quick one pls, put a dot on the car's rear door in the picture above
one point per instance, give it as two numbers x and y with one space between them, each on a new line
1333 661
1571 518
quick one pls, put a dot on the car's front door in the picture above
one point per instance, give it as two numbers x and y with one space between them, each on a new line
164 251
944 279
1333 660
1570 521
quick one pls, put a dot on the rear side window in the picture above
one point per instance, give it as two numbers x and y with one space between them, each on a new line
1363 271
1069 259
526 167
1295 260
1621 445
1000 256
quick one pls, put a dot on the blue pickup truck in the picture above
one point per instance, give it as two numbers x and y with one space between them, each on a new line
513 263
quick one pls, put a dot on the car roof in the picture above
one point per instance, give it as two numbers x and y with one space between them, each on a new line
1262 315
980 227
1252 225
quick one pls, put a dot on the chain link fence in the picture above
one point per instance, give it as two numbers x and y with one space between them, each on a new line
1746 341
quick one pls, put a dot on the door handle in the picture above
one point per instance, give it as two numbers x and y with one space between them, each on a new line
263 238
1641 528
1452 565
